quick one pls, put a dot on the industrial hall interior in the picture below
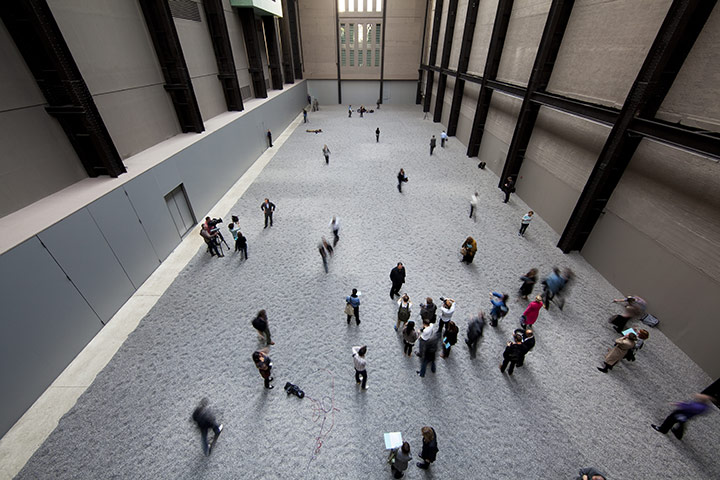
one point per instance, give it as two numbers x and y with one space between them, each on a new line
342 239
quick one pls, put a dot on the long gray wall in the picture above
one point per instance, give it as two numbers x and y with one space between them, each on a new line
363 92
59 287
660 235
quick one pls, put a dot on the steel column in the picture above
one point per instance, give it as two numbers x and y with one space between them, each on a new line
418 93
433 53
215 16
287 61
497 41
681 27
382 53
273 49
252 45
465 48
294 37
700 141
548 48
170 55
445 59
40 42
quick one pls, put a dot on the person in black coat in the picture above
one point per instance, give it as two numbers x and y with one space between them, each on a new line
429 448
397 277
474 332
508 188
514 353
529 280
528 342
205 421
401 178
450 338
268 208
377 134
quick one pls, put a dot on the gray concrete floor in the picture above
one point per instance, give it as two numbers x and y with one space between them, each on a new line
554 416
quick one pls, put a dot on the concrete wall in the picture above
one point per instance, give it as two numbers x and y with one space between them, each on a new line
317 21
363 92
61 285
660 234
403 33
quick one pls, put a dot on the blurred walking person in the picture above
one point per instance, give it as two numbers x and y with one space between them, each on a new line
432 144
634 309
326 154
473 205
335 228
683 412
260 323
474 332
529 280
500 308
514 353
205 420
401 178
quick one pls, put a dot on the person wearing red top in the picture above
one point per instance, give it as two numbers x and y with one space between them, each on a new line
529 316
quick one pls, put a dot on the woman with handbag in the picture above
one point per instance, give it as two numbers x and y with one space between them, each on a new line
468 249
399 459
352 306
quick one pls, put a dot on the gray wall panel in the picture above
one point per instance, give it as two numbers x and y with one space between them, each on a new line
121 227
147 200
79 247
45 323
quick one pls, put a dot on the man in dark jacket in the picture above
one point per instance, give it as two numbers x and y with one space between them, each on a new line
508 188
427 310
514 353
474 332
397 277
205 420
268 208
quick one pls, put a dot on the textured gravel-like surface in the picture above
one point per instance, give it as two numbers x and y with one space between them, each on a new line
555 415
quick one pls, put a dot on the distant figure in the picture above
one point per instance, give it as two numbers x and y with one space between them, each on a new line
553 286
260 323
526 219
316 105
410 335
378 103
335 228
397 277
242 245
352 306
617 353
326 153
514 353
268 208
590 473
324 255
468 250
401 178
362 110
529 280
429 448
508 188
264 366
443 139
530 315
474 332
377 134
269 137
404 311
304 115
432 144
683 412
309 99
205 420
360 365
349 111
634 309
473 205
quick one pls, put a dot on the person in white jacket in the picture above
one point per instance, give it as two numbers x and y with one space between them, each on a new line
447 308
360 365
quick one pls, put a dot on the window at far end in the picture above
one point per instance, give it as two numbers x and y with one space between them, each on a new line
378 5
341 5
351 6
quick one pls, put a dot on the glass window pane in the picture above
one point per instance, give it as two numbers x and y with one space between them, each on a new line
342 33
377 57
352 58
343 56
368 34
341 5
368 60
369 5
360 33
360 52
377 33
351 5
361 5
378 6
352 34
